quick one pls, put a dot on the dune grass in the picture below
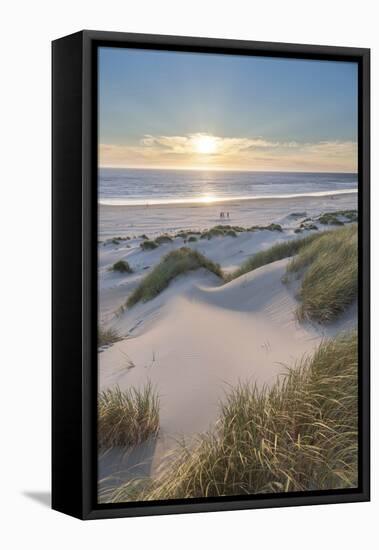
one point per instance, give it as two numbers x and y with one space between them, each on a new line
107 336
148 245
270 227
276 252
172 265
128 417
162 239
121 266
334 218
328 268
300 435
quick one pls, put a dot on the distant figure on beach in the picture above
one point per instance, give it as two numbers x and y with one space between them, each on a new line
222 214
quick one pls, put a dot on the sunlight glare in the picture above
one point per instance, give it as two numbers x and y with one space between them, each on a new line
204 144
207 199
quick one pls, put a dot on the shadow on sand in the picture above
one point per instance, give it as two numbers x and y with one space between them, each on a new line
118 465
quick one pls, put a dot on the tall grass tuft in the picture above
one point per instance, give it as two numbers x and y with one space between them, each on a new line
128 417
121 266
300 435
172 265
148 245
276 252
162 239
328 267
107 336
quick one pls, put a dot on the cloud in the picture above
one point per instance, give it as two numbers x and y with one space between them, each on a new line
234 153
186 144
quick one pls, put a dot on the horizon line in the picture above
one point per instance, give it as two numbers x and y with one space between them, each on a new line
201 169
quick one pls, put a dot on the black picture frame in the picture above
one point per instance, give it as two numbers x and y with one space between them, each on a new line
74 295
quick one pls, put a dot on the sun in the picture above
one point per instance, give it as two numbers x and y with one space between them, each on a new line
204 144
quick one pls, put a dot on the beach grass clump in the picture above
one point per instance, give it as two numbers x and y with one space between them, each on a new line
270 227
328 268
175 263
225 228
274 227
330 219
127 417
276 252
334 218
213 232
163 239
115 240
121 266
299 435
107 336
185 233
222 231
148 245
308 226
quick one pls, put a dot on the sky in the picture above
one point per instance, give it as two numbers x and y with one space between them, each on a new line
160 109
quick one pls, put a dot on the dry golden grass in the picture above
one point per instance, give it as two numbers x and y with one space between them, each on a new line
127 417
300 435
328 268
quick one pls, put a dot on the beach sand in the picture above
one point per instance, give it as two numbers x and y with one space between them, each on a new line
152 220
200 336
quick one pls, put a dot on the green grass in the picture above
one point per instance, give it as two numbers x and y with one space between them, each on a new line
128 417
308 226
326 263
225 228
122 267
172 265
148 245
276 252
107 336
300 435
271 227
223 231
232 230
184 233
162 239
214 232
333 218
328 268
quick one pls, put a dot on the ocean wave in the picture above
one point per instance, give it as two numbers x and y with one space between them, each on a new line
206 200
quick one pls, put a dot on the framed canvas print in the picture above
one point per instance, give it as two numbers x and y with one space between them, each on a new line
210 274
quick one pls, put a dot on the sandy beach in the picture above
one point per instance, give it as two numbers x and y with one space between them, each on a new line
154 219
227 276
200 335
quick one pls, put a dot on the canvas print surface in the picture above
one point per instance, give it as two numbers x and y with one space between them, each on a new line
227 275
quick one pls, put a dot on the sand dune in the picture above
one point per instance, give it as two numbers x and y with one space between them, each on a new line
197 337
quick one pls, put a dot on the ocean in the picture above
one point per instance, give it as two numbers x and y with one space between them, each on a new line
139 187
